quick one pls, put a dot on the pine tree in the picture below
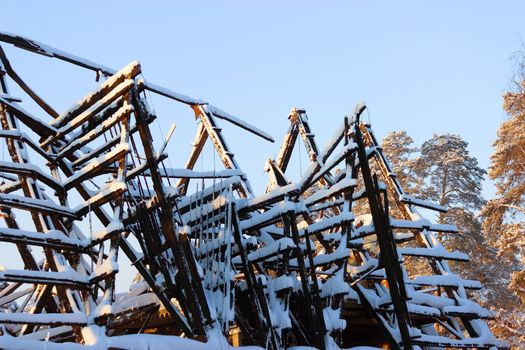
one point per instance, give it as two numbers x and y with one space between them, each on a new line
504 216
441 170
452 176
398 147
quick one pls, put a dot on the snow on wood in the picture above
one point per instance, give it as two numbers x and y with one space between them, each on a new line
203 211
67 277
422 298
337 189
52 238
129 71
136 302
332 143
422 224
341 253
48 333
423 310
43 319
239 122
184 202
272 214
449 280
30 170
15 295
335 285
332 319
108 191
438 252
98 106
331 222
171 94
467 308
192 174
363 269
110 230
97 131
444 342
127 342
249 204
38 205
108 266
421 203
328 166
281 283
37 125
268 251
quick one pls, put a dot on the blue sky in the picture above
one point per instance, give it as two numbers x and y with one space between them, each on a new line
421 66
425 67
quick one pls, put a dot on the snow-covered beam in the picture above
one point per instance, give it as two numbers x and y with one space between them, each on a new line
46 50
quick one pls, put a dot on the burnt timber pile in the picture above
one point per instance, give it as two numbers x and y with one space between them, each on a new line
341 258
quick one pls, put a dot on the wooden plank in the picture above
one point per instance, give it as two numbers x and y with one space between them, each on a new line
49 239
96 166
34 123
37 205
70 279
50 319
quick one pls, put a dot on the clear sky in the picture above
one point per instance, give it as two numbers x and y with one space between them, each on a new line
422 66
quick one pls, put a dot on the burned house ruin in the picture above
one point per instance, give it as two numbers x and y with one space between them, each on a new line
341 258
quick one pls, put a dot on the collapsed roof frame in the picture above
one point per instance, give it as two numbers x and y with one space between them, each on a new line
221 259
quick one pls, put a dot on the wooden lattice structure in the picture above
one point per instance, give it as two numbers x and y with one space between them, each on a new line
338 259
